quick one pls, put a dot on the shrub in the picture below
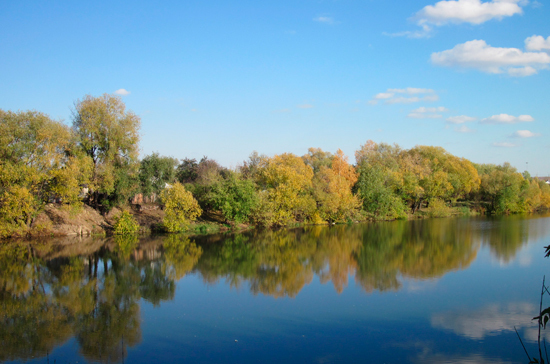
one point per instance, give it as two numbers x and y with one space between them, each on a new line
125 224
438 208
236 198
180 207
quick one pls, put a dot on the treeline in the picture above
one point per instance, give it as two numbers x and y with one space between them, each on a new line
95 161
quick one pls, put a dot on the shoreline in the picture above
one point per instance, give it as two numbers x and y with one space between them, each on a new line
60 221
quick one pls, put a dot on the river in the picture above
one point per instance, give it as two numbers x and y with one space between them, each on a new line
426 291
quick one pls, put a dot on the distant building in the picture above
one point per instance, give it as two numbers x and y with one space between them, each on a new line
545 179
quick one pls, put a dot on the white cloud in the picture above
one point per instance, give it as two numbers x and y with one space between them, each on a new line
467 11
490 320
430 98
384 95
461 119
403 100
324 19
122 92
430 109
305 106
524 134
460 11
537 43
426 32
424 116
411 90
405 95
507 119
427 112
504 145
479 55
464 129
409 100
522 72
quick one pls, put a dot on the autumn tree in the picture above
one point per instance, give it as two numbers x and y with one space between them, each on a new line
180 207
444 176
317 158
285 181
36 162
333 190
109 136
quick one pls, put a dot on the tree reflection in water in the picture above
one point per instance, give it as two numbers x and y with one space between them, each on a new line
90 288
92 297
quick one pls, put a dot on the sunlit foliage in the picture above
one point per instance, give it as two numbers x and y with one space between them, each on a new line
109 136
125 224
333 190
284 181
36 164
180 207
234 196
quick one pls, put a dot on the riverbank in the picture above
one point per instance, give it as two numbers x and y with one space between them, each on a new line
59 220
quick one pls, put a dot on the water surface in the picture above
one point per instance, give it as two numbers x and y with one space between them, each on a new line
428 291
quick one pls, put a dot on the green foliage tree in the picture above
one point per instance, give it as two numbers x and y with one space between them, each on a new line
109 136
378 198
186 171
234 196
180 207
200 178
381 181
155 172
501 186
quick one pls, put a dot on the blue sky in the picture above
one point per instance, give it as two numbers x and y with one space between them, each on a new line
222 79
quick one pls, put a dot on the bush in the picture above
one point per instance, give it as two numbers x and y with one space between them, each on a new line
180 207
236 198
438 208
125 224
17 208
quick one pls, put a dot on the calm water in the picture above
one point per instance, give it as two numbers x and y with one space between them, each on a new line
431 291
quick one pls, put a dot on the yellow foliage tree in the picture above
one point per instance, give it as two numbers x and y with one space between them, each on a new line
180 207
286 180
35 156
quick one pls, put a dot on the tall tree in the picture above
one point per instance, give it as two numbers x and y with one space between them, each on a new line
333 190
36 163
109 136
